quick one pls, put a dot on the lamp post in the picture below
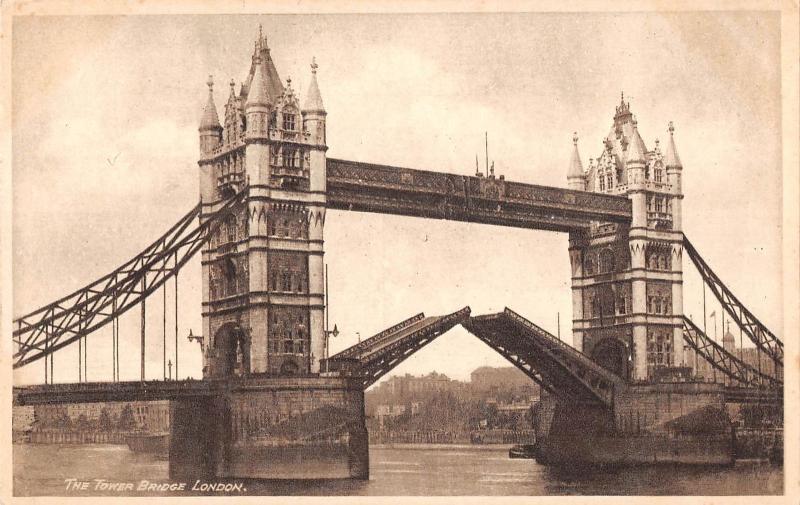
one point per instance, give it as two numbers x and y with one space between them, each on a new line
328 333
200 339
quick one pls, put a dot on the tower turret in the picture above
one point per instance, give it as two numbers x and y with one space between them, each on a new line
313 110
635 159
575 176
210 129
257 105
673 162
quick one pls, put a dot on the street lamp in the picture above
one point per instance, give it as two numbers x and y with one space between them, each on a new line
328 333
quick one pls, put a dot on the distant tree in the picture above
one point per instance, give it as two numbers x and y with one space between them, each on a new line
83 423
104 421
63 421
126 420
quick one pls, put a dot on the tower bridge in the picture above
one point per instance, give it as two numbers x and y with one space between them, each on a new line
265 186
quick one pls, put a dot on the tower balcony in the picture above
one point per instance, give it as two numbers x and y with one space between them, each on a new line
229 184
290 177
659 220
225 147
289 135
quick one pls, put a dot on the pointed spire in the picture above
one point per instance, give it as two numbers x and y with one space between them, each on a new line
257 94
210 119
671 160
575 165
288 91
313 101
636 150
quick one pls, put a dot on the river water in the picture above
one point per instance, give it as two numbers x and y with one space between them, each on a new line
400 471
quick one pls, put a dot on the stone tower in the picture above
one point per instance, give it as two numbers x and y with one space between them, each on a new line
263 284
627 280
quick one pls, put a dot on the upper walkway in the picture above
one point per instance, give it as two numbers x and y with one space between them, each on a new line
369 187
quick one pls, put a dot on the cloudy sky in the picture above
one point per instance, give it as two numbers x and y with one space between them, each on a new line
105 115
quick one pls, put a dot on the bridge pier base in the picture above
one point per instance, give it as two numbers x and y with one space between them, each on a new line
272 428
684 423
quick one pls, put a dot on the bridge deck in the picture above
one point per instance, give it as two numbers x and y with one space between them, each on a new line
377 355
555 365
368 187
166 390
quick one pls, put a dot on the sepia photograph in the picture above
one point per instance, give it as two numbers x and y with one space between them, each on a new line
445 250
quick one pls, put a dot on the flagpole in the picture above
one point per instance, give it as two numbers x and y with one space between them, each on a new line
487 152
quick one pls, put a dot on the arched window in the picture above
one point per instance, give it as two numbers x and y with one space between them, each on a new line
602 181
288 121
596 307
621 304
230 277
606 261
589 265
232 228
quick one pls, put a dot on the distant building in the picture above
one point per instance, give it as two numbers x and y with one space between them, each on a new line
382 412
22 418
750 355
408 384
487 378
152 416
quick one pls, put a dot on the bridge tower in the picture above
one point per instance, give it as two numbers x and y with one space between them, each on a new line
627 280
263 284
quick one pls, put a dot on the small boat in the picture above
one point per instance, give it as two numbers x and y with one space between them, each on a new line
521 451
157 443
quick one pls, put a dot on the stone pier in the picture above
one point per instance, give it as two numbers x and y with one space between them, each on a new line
280 428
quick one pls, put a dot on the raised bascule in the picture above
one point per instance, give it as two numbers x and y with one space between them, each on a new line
273 404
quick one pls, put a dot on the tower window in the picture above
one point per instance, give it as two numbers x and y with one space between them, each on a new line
273 119
606 262
231 225
288 121
230 277
289 158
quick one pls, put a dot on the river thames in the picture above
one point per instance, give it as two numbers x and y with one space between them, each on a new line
438 470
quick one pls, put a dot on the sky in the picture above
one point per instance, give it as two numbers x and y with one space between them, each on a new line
105 148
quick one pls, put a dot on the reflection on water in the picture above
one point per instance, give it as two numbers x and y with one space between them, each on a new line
411 470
